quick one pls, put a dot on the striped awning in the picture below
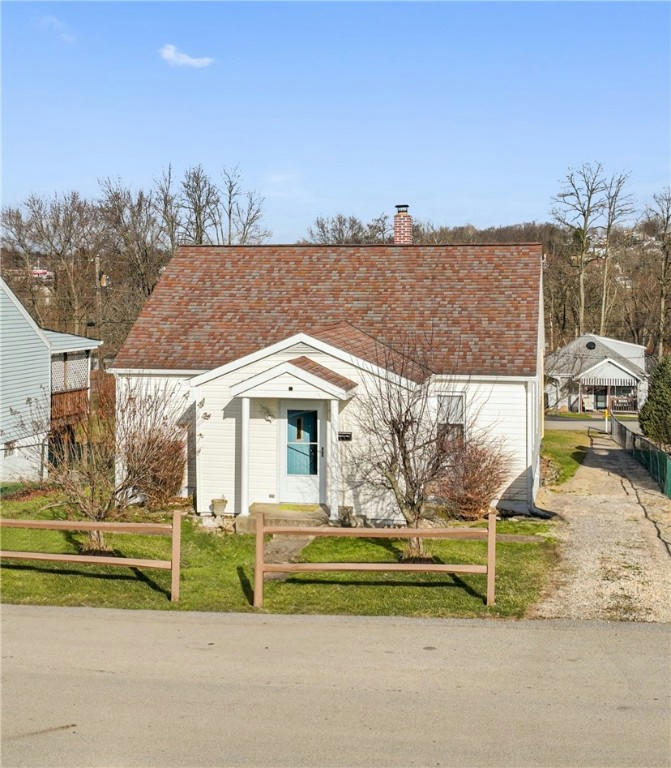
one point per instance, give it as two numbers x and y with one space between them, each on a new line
599 382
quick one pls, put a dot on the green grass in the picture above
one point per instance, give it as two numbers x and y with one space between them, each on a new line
570 416
7 488
566 449
217 573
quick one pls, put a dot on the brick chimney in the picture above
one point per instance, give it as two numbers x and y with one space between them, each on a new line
402 226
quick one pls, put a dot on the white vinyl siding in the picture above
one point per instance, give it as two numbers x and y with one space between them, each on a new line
218 423
24 460
24 371
500 408
178 388
504 408
291 387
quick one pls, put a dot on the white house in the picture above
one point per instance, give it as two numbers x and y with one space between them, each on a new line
40 370
273 346
595 372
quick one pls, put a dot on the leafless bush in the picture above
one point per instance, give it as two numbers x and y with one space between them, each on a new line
411 432
159 458
116 454
478 470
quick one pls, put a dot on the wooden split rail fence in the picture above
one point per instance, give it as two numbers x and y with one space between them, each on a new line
261 567
144 529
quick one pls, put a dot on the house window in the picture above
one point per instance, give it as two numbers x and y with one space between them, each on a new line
451 418
9 448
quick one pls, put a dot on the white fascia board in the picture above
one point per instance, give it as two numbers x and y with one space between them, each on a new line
298 338
75 349
245 386
615 363
155 371
606 339
24 312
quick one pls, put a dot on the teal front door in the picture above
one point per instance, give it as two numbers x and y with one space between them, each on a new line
302 442
302 455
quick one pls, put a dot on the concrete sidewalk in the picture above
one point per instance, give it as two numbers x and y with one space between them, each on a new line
95 687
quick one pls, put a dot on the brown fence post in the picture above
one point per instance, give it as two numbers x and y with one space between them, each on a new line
491 558
258 562
176 553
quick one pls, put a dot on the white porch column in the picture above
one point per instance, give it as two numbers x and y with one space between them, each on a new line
244 458
333 459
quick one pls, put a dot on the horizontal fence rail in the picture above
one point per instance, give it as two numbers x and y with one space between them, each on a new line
173 530
652 457
261 567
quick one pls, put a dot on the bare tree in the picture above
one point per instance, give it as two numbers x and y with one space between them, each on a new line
231 191
66 232
19 249
579 207
412 433
113 455
618 206
241 217
249 229
135 233
168 209
657 223
199 201
349 230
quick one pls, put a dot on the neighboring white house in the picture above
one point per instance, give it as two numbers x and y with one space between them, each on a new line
273 346
593 372
40 371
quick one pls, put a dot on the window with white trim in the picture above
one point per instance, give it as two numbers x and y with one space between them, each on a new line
451 417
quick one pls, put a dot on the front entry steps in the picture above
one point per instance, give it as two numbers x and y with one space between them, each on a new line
305 515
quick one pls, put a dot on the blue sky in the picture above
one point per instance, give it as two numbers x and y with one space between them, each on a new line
469 112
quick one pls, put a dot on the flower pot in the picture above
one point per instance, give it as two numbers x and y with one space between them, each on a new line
219 506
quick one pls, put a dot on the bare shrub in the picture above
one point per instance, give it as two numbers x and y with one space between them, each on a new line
478 470
159 459
414 434
130 447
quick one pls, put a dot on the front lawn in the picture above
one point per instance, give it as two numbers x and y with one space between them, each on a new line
217 573
566 449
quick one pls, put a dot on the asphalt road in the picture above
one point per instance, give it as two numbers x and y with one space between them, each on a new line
95 687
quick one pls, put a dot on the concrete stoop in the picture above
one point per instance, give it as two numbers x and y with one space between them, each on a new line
307 515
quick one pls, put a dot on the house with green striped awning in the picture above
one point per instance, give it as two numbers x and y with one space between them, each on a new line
593 373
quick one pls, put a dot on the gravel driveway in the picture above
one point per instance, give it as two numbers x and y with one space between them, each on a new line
615 535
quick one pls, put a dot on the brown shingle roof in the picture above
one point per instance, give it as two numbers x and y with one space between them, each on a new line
405 360
324 373
479 304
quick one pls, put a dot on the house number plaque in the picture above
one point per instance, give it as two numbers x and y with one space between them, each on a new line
345 436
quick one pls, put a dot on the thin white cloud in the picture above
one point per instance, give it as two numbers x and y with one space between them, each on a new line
283 184
173 56
54 24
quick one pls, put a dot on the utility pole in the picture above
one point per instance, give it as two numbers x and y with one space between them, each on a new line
99 313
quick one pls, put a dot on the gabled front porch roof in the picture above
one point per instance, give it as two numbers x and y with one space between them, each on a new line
296 339
297 378
609 372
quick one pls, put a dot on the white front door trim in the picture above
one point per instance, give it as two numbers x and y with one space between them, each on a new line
244 457
291 489
332 455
